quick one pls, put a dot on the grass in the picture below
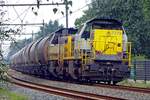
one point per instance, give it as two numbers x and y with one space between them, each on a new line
6 95
141 84
139 57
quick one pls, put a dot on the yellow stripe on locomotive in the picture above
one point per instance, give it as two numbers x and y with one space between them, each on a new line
107 42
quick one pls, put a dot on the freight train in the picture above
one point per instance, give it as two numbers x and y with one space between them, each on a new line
98 51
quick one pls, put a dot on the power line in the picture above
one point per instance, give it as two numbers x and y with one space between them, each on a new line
82 7
17 14
66 3
22 34
22 24
42 4
77 10
26 11
22 13
25 14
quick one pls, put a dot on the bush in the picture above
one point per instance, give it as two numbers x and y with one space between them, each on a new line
3 70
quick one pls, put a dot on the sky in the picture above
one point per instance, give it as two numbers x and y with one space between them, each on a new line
26 15
44 13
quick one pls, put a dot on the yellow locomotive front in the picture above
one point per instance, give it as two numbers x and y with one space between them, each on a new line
104 50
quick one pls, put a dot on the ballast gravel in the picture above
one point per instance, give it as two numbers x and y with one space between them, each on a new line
30 94
130 95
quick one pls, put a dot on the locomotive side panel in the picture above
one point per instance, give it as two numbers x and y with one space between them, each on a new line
53 52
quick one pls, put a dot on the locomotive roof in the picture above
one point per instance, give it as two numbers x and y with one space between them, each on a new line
69 30
104 20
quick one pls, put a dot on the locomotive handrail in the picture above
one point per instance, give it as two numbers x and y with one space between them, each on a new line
128 52
93 51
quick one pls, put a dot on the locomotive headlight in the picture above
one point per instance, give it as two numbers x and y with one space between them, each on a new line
119 45
98 52
112 69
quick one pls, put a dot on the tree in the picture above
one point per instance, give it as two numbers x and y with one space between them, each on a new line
3 36
48 28
146 8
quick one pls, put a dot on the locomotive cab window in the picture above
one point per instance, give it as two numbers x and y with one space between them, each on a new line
105 25
55 39
86 33
50 37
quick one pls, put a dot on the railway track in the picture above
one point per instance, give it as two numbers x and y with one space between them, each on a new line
61 92
99 89
128 88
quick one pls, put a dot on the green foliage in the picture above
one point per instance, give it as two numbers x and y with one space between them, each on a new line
6 95
146 8
138 57
3 36
133 16
135 84
3 70
48 28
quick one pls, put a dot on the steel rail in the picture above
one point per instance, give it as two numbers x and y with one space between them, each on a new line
128 88
62 92
118 87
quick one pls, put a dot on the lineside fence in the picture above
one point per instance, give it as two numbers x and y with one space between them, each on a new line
140 70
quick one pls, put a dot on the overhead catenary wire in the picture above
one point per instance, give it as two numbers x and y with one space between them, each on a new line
57 19
61 17
66 3
77 10
22 13
41 4
26 12
17 14
14 24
